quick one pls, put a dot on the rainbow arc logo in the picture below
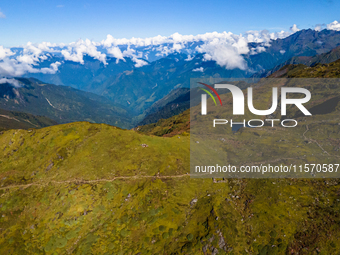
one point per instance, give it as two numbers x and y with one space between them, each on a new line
213 90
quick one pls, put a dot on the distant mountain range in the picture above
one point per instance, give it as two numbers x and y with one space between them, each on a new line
324 58
93 75
127 96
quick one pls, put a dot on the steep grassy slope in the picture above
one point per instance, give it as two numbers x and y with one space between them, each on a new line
331 70
86 188
20 120
83 188
177 124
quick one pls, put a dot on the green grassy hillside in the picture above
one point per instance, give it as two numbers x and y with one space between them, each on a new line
86 188
331 70
175 125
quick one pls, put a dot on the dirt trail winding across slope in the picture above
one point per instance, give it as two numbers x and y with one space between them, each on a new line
80 181
94 181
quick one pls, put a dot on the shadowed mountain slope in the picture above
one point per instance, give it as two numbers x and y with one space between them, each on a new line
60 103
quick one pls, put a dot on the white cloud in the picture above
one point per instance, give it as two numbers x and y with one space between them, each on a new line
5 52
146 55
139 62
2 15
13 67
165 50
76 50
29 59
282 52
178 42
116 53
34 53
131 53
294 28
264 36
226 48
258 49
110 40
189 58
335 25
15 83
52 70
26 60
225 55
177 47
199 69
38 49
319 27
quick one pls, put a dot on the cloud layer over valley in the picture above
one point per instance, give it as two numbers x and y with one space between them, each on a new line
226 48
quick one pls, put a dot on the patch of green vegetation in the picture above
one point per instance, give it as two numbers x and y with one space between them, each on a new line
56 211
176 125
331 70
84 188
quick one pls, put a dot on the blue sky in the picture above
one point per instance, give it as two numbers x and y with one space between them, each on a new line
59 21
